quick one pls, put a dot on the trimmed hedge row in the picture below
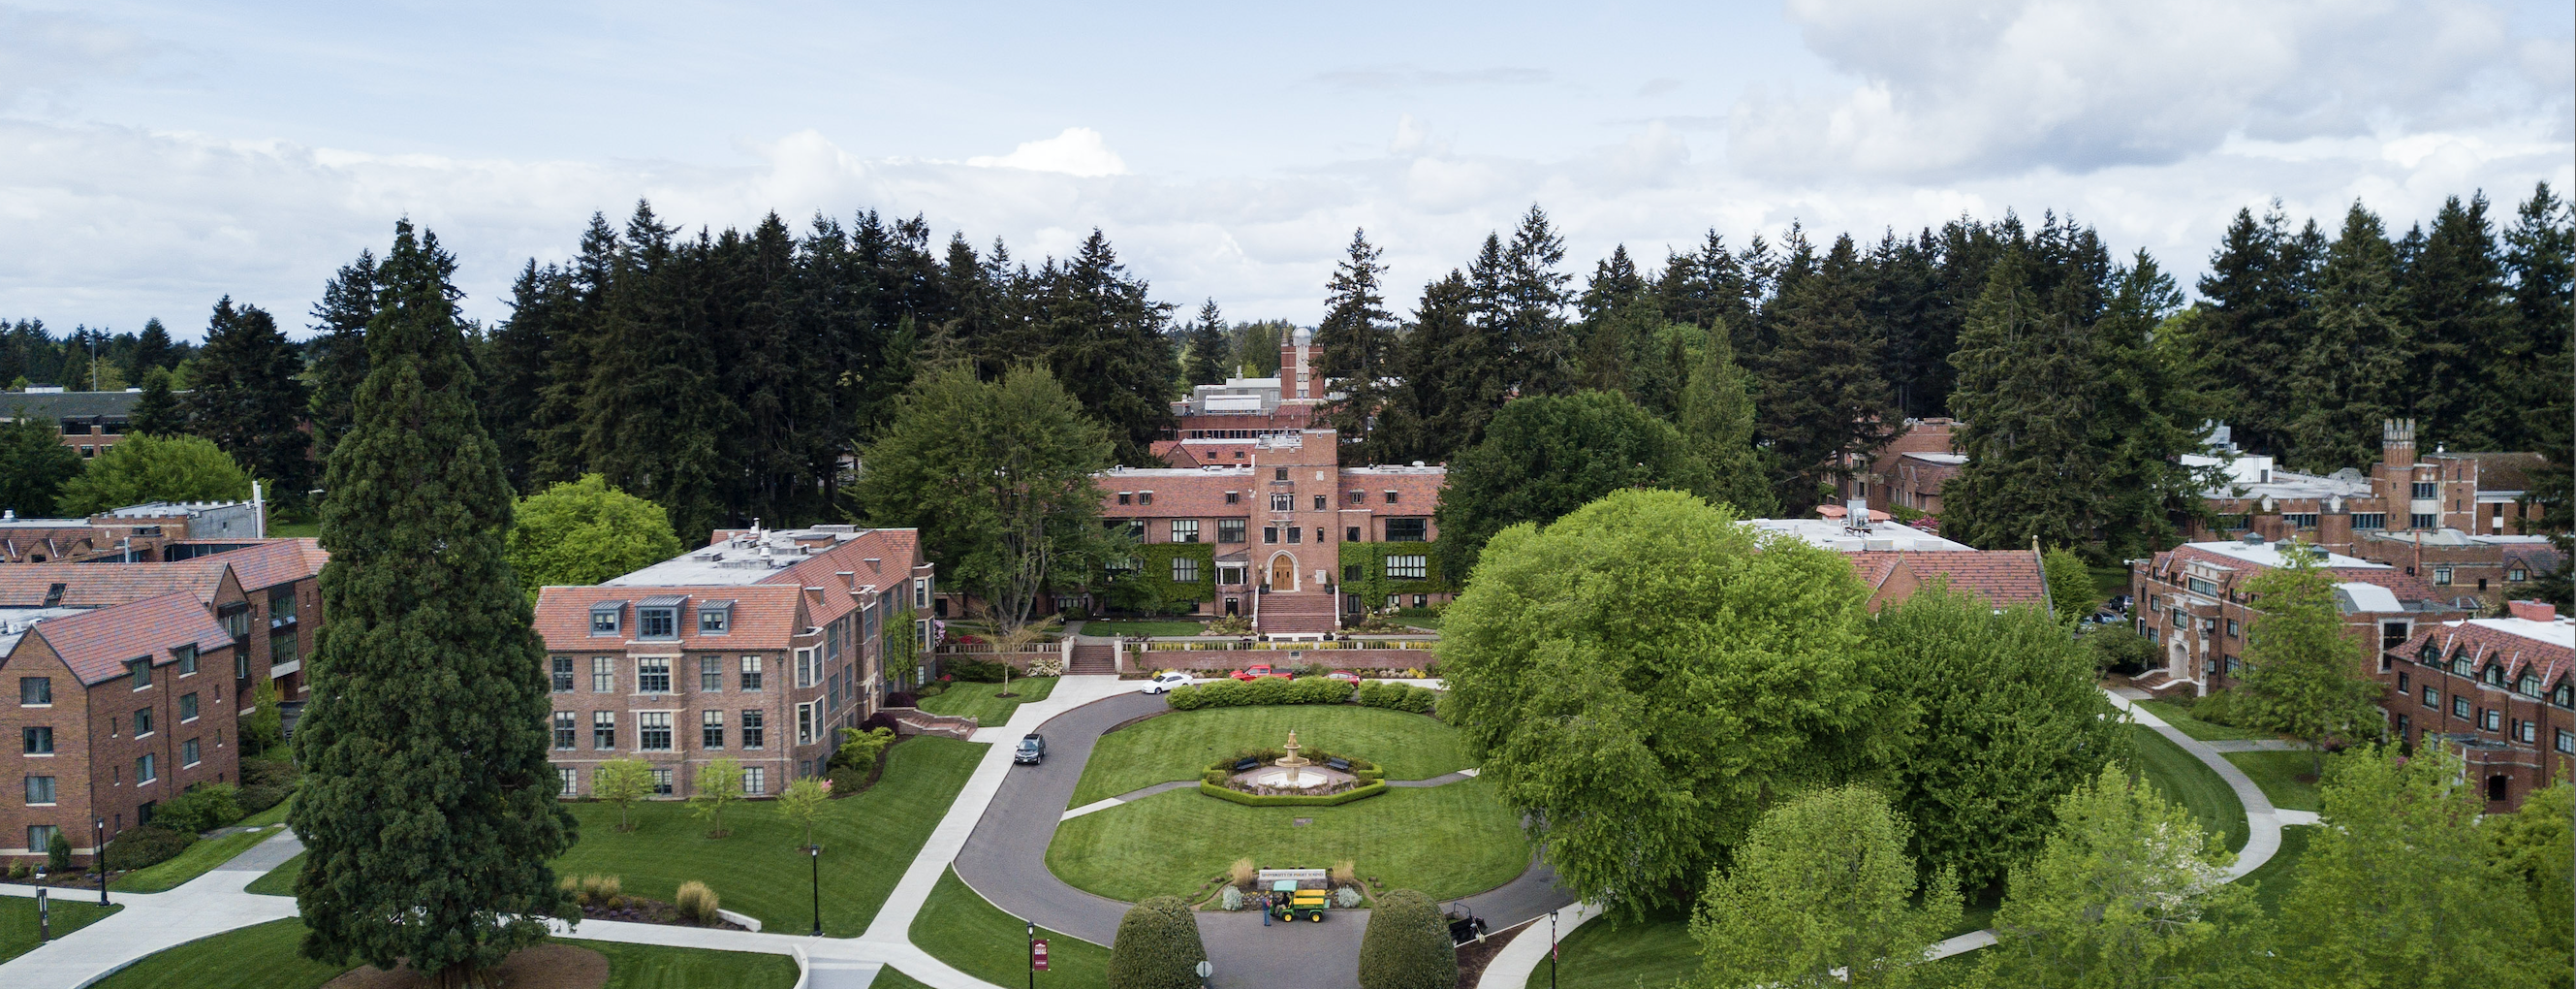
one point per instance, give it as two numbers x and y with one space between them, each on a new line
1397 696
1262 692
1361 792
1158 947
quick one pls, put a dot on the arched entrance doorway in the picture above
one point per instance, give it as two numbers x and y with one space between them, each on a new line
1283 572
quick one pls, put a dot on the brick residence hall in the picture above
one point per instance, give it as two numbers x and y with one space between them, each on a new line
2497 690
2193 605
757 647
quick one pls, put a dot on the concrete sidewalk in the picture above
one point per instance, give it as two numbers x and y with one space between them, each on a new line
207 905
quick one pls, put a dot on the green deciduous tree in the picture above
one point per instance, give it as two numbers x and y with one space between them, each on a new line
1636 677
1407 944
718 785
1822 893
154 468
579 533
34 464
1158 946
1545 456
2535 843
2303 674
997 476
803 801
1995 717
247 394
2403 886
263 727
2071 591
427 808
2129 893
622 782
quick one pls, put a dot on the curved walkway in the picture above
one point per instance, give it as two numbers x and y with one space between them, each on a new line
1511 968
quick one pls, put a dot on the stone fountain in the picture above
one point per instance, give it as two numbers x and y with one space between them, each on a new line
1295 772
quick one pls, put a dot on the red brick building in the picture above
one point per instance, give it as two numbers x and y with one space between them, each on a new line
1910 470
90 421
266 593
1897 560
2191 602
2497 690
1279 521
1217 425
134 533
757 647
116 709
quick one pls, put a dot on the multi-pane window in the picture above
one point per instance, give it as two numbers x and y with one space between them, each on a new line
657 623
41 836
1144 497
1270 534
1185 530
2300 520
188 707
2426 489
2459 707
567 779
1136 529
2420 520
142 721
188 752
147 769
662 782
805 668
653 731
1185 570
1233 497
714 619
2364 521
2441 576
38 740
603 674
1408 567
603 619
1296 534
40 789
561 669
755 781
711 729
567 730
2491 719
1391 497
1283 502
750 673
754 732
804 724
1278 473
34 691
187 657
2528 731
1321 504
2432 698
141 672
710 673
1408 530
2566 741
2528 686
1229 530
603 729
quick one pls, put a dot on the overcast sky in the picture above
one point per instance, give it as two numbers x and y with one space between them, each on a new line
154 156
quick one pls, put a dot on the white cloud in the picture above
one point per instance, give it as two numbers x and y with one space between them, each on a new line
1077 151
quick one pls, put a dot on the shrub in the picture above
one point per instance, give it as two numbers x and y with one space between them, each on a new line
697 903
1347 897
606 892
21 871
861 749
1232 898
1398 696
58 854
203 808
135 848
1345 872
253 799
2218 707
1263 692
1241 873
1360 792
1158 947
846 782
1407 945
972 671
571 885
268 772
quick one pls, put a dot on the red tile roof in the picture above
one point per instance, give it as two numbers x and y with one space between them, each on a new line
271 562
97 644
2485 646
765 616
2003 577
98 585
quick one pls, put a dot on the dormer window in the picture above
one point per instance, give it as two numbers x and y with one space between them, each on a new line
658 617
1126 497
1144 497
715 618
603 617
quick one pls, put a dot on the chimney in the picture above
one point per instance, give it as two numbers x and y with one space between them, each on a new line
849 579
2533 611
2397 442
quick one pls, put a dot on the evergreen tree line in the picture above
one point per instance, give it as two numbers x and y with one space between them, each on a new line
86 359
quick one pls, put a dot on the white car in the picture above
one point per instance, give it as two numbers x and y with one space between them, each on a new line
1163 682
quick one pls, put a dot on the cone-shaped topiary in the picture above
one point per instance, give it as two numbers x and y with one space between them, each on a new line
428 811
1407 945
1158 947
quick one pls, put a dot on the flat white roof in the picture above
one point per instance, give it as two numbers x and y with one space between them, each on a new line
2560 633
2269 555
736 561
2360 597
1832 534
1952 459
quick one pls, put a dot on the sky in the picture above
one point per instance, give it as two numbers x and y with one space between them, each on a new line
156 156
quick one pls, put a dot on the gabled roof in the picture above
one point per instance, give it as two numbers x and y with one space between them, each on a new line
2544 650
764 616
270 562
97 644
2003 577
98 585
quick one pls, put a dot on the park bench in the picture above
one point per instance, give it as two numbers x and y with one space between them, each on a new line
1246 765
1337 762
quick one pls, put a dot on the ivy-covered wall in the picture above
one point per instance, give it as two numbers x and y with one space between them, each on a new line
1151 587
1372 585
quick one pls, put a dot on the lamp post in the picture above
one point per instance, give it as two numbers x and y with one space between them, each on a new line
1551 950
98 850
1033 954
815 852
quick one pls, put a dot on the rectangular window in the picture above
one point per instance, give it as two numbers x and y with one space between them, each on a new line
1408 530
805 667
146 769
1144 497
1278 473
2300 520
710 673
41 836
1350 533
2366 521
653 731
2528 686
2491 719
755 781
1390 497
2426 489
657 623
2201 585
804 724
1281 502
1126 497
2566 740
714 619
1136 529
188 707
36 691
2529 731
1229 530
1295 533
2402 686
2231 628
1234 497
187 659
142 722
1321 504
662 781
603 617
921 592
188 752
1185 570
2441 576
567 780
1185 530
2432 698
1269 534
653 675
2420 521
562 674
603 674
603 729
567 730
141 671
754 728
711 730
750 673
2459 707
1230 576
38 740
1413 567
40 789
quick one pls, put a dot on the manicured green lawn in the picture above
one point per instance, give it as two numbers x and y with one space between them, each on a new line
761 869
195 861
2284 776
1134 629
1419 618
295 530
889 978
2207 731
18 919
2273 879
263 957
976 700
1446 841
2186 781
279 881
1653 953
1177 746
958 927
273 815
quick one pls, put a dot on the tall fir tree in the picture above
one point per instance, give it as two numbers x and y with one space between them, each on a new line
158 412
336 355
2255 324
1822 402
2456 321
654 420
247 395
1210 347
1530 309
1422 418
1358 338
152 351
1104 339
427 809
2540 258
2345 374
555 432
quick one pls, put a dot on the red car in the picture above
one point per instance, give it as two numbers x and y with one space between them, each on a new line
1257 673
1344 676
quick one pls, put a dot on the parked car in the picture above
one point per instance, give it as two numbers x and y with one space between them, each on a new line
1163 682
1032 748
1344 676
1258 672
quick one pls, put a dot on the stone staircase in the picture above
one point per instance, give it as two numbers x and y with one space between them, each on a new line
1092 659
915 721
1297 613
